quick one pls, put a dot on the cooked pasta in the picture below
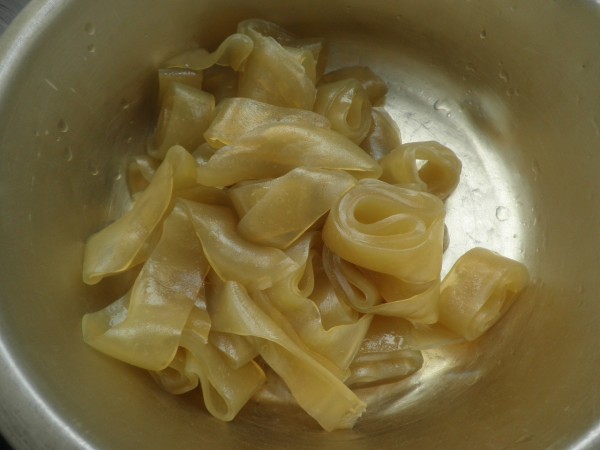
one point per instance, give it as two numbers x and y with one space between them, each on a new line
281 230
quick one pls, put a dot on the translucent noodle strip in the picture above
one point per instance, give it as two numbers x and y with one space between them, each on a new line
418 302
275 74
315 47
225 389
237 116
340 343
140 172
177 378
246 194
351 286
230 256
326 398
186 77
346 104
232 52
238 350
388 229
127 241
439 175
478 290
221 82
186 113
374 86
384 135
300 198
273 150
144 328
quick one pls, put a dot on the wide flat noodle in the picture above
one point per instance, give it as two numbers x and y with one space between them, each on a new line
291 296
384 135
478 291
232 52
144 328
238 350
237 116
326 398
388 229
140 172
186 77
346 104
274 150
275 74
186 113
230 256
365 291
127 241
221 82
439 175
373 85
300 198
225 389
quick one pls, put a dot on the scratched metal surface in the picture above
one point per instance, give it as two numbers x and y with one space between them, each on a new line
512 87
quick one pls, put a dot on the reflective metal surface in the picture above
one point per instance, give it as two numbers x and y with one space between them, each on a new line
512 86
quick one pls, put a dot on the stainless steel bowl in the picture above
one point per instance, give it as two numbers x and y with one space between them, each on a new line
513 86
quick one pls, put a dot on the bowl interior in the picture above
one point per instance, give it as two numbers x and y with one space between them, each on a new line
512 88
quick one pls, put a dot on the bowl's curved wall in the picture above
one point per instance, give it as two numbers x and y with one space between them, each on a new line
512 87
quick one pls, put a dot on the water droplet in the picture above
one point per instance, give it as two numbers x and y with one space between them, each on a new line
62 126
503 74
58 139
90 28
441 105
91 48
125 104
94 170
129 140
483 33
502 213
118 176
68 154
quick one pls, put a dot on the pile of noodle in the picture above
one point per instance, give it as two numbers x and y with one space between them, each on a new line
281 228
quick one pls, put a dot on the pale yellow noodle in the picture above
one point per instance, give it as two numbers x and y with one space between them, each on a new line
374 86
439 175
478 290
384 135
177 75
144 328
127 241
388 229
274 150
186 113
326 399
233 52
230 256
346 104
300 198
275 74
265 242
237 116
